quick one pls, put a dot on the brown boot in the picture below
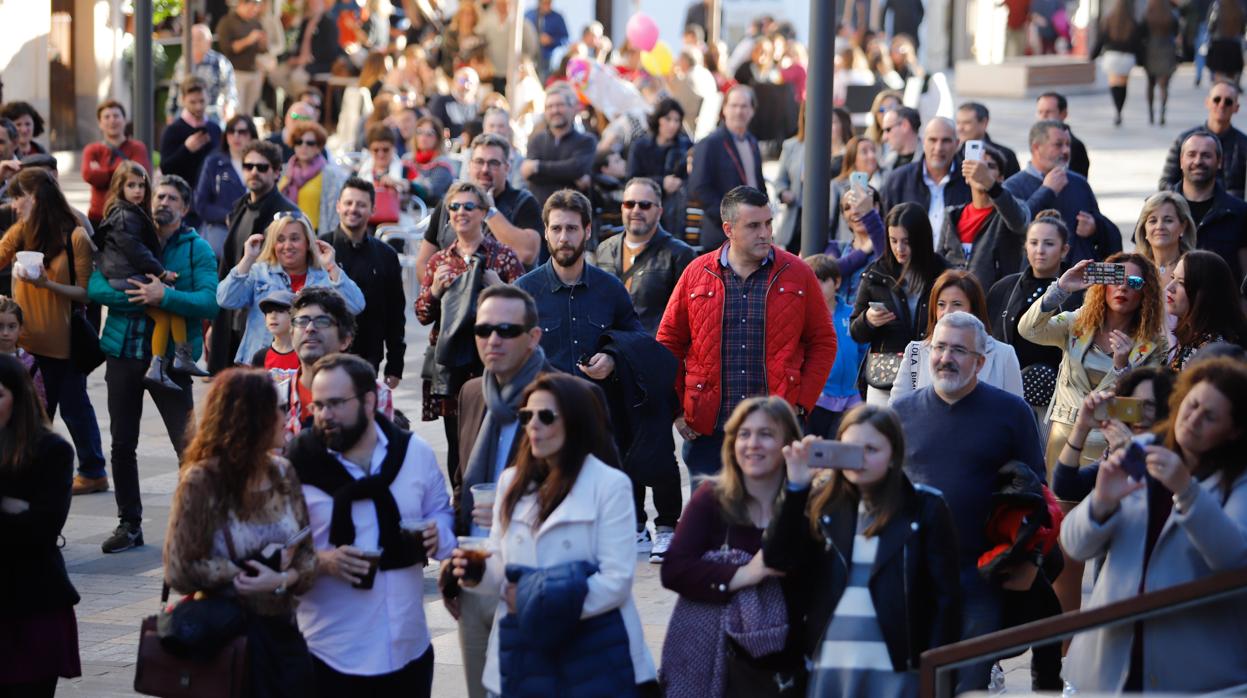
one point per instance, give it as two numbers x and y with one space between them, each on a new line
88 485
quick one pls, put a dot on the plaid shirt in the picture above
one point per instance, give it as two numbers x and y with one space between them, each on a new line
744 335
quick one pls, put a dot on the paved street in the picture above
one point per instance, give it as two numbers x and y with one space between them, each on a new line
118 590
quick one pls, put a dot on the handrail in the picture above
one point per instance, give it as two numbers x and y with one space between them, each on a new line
938 663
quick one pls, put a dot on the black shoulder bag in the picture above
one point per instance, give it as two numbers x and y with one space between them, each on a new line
85 354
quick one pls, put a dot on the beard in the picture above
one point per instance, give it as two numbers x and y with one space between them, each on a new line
164 216
950 383
340 438
558 254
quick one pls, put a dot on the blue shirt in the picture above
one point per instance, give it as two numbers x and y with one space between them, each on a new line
574 317
1077 196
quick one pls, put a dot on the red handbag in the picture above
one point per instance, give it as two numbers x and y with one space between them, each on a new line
386 209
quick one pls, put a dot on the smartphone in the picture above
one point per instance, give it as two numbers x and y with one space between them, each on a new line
879 305
1105 273
837 455
860 179
1135 461
1125 409
974 150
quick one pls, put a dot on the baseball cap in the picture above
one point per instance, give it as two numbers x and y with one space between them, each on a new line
276 300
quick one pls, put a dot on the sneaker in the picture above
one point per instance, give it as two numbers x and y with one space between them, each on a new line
662 541
643 542
997 684
87 485
126 536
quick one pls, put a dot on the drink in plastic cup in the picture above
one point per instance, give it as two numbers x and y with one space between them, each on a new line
32 263
374 559
484 494
475 552
412 530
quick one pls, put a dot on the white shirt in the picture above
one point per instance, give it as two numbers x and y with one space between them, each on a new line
379 630
935 210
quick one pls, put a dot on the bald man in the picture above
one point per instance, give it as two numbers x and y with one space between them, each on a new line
933 181
217 73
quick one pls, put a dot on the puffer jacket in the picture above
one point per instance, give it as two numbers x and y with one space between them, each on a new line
799 345
878 284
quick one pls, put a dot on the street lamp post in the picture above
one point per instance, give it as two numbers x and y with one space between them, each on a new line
816 194
144 78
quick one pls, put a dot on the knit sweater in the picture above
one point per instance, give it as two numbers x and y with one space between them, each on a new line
45 331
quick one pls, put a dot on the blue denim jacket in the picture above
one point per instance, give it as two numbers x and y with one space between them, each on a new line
245 291
573 318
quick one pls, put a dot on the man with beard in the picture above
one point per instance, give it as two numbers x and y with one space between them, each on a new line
576 302
320 324
261 167
1222 104
369 486
959 432
559 156
127 346
931 181
1047 182
373 265
1220 217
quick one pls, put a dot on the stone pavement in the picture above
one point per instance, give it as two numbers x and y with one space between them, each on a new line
119 590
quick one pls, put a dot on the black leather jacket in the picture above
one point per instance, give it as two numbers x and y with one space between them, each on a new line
914 583
654 273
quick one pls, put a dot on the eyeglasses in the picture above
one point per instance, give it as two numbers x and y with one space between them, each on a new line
320 322
1229 101
426 132
958 352
466 206
643 205
260 167
333 404
1134 283
310 144
506 330
546 416
491 164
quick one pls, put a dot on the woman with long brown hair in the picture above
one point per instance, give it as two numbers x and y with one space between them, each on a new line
562 509
833 533
1200 297
235 498
1121 41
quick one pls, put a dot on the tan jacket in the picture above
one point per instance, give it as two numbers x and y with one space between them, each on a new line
1055 329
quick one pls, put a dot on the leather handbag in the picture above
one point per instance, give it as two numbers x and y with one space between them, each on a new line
84 339
386 209
881 369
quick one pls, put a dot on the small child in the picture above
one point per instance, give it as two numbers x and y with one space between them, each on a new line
130 252
840 393
280 354
11 322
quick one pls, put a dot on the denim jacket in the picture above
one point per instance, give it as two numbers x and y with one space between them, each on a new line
573 318
245 291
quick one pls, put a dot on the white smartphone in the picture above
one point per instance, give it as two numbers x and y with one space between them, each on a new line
974 150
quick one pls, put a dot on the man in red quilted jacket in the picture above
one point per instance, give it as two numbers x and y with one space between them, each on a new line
745 319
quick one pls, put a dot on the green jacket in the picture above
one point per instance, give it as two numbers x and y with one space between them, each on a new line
127 330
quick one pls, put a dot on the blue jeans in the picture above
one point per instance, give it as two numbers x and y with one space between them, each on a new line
67 389
982 612
703 457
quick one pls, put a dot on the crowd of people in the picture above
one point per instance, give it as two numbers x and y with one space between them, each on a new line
919 436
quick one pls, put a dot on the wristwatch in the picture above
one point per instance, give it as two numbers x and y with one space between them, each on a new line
491 213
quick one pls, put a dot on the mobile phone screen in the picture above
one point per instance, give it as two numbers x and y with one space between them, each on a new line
1105 274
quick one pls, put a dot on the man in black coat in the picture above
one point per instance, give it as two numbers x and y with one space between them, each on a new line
373 265
559 156
933 182
1220 217
1222 104
972 119
186 142
252 214
728 158
1052 106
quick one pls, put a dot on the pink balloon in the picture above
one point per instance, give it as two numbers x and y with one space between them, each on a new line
641 31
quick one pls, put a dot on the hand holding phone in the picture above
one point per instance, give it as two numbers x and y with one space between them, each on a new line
974 150
1104 273
837 455
860 180
1125 409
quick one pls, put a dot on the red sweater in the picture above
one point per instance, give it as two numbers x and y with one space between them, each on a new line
101 175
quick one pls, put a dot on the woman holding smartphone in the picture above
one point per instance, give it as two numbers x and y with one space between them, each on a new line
879 562
1170 513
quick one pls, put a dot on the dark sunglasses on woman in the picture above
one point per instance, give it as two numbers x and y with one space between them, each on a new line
466 206
546 416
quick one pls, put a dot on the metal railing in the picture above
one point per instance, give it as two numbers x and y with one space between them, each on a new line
409 231
938 664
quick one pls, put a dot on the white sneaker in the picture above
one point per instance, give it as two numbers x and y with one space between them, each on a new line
662 541
643 542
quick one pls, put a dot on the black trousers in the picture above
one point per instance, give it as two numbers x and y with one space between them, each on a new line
412 681
124 379
43 688
668 500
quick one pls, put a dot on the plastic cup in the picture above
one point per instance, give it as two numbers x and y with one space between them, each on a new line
484 493
475 552
374 559
412 530
32 263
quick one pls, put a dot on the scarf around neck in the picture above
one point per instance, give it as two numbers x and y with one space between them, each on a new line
424 157
298 174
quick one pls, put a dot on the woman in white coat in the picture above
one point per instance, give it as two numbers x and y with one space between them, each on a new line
1183 519
957 290
561 505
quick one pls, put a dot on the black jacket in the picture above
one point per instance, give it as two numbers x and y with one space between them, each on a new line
1007 300
641 397
1011 158
997 249
34 579
177 159
1233 160
562 162
906 184
380 329
130 244
654 273
717 169
1224 228
1078 160
879 285
914 583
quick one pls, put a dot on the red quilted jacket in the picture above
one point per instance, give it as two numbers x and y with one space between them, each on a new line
800 341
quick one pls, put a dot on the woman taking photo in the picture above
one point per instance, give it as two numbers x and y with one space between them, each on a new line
860 155
1165 232
474 247
716 553
309 180
892 298
957 290
38 630
1199 298
878 562
221 182
562 512
1183 519
433 170
234 498
287 257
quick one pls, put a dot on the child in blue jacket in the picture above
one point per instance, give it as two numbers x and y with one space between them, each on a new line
840 393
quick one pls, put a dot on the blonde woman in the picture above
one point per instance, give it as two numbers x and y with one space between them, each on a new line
286 257
885 101
1165 232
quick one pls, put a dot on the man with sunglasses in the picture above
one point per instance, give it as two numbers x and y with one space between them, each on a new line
252 214
1220 217
1222 104
900 137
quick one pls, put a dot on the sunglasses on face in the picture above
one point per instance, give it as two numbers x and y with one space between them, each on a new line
506 330
546 416
1134 283
1226 100
643 205
320 322
310 144
466 206
260 167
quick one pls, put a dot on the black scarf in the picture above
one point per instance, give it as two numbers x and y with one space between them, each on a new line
320 469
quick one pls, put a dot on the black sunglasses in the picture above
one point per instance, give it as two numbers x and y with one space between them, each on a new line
466 206
546 416
506 330
311 144
1219 99
644 205
257 166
